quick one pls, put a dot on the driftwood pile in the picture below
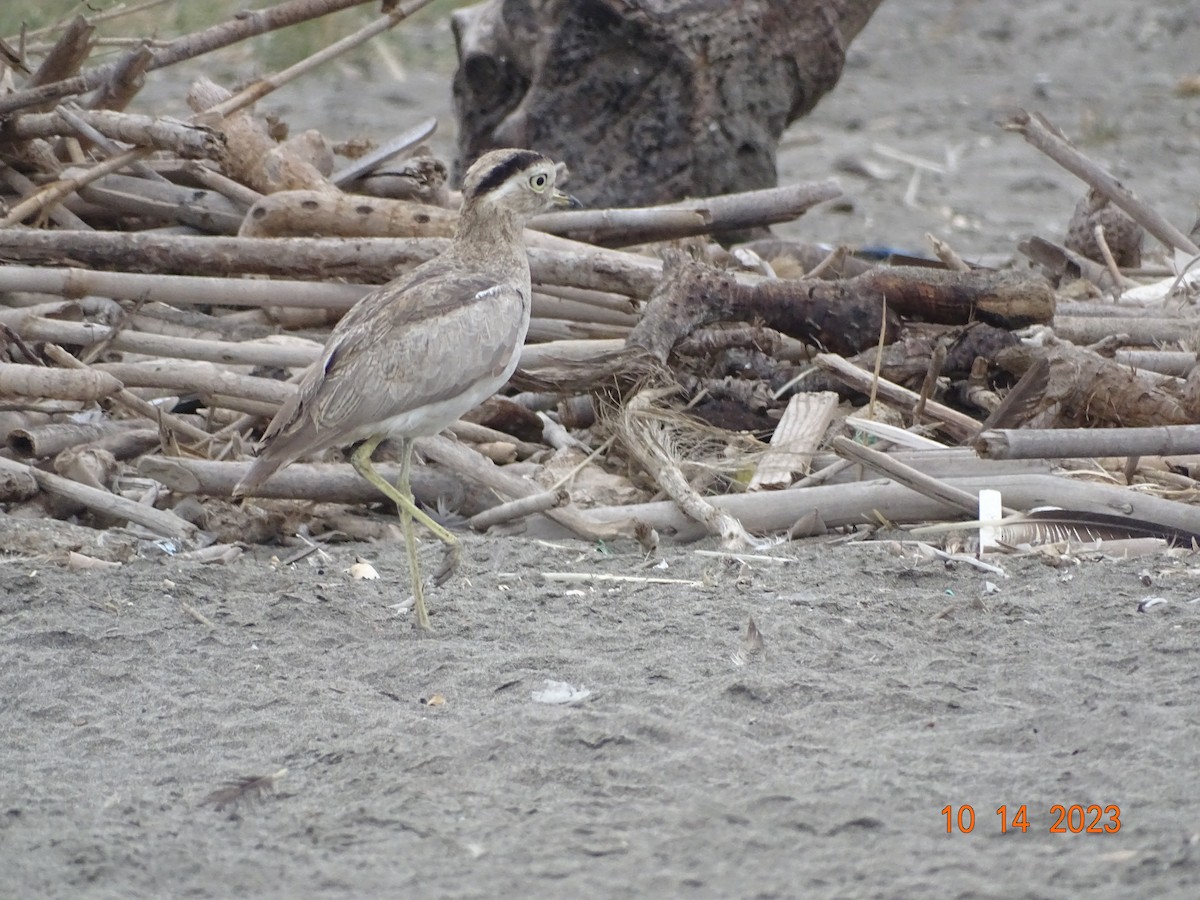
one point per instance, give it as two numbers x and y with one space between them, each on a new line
161 290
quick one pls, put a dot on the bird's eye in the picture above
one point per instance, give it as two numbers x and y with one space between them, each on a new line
538 182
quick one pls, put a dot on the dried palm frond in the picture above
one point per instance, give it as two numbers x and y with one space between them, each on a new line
652 435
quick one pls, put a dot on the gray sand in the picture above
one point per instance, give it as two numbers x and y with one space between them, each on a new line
887 690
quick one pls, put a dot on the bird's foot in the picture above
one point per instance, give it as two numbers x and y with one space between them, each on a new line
450 561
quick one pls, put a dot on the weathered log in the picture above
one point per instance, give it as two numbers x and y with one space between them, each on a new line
1086 388
332 213
1003 299
252 155
652 100
692 294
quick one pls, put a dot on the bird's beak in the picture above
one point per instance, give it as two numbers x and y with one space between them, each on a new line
565 201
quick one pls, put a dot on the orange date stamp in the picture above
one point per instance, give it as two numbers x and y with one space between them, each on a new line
1062 819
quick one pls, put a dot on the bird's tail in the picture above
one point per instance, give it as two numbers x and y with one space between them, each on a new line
262 469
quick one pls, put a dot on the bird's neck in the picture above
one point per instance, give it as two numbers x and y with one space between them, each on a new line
493 237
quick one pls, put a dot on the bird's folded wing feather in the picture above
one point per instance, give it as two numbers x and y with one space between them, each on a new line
398 350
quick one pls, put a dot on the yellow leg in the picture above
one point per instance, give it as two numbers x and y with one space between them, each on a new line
402 496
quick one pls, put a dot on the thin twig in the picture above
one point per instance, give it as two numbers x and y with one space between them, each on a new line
60 190
1039 132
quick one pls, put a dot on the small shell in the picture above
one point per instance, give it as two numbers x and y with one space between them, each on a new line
362 571
559 692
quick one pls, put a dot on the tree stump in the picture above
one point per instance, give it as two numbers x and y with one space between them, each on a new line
647 101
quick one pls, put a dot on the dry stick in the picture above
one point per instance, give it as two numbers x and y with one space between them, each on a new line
119 90
929 383
42 441
518 509
218 183
1165 362
1038 131
180 289
1063 262
945 464
309 482
203 290
188 141
250 353
55 384
1147 329
553 260
204 378
879 364
539 356
101 501
477 467
244 25
618 303
906 475
406 140
624 225
946 254
542 329
67 54
833 259
549 306
265 86
855 504
481 434
59 215
255 353
60 190
118 12
129 400
745 209
86 130
1062 443
160 199
1113 269
958 424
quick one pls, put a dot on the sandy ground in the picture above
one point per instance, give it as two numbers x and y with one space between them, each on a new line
887 689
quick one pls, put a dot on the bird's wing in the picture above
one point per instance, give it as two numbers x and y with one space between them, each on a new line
400 348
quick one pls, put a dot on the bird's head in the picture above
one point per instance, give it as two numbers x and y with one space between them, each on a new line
519 183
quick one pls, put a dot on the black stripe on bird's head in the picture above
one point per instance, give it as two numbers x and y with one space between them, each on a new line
494 168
